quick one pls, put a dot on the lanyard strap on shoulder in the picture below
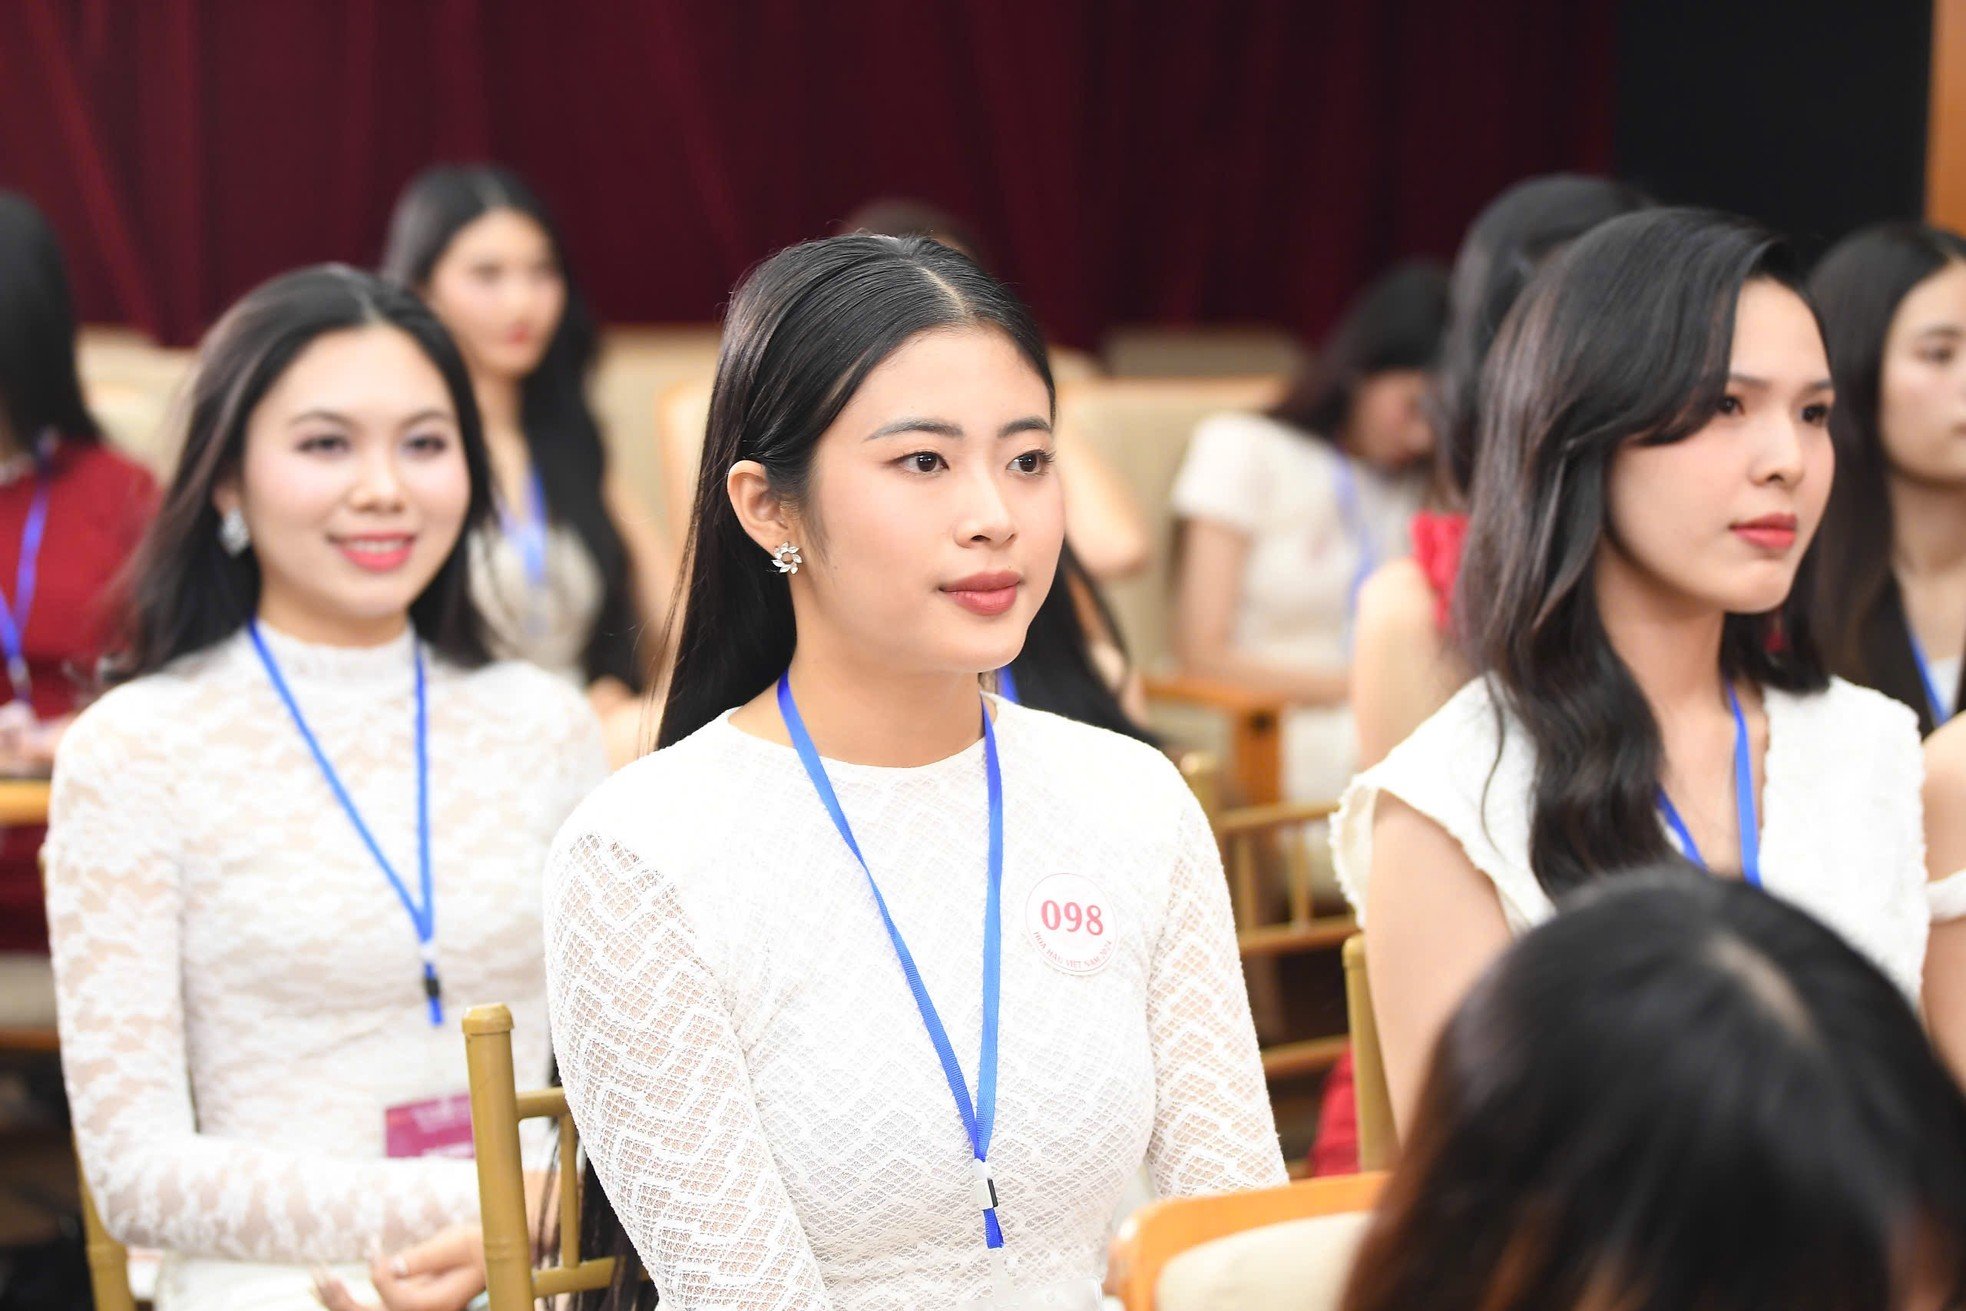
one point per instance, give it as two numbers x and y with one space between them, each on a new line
1745 810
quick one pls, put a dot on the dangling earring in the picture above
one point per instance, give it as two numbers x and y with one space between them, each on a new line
787 558
233 534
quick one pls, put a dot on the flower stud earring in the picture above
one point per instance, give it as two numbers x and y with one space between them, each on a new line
787 558
233 534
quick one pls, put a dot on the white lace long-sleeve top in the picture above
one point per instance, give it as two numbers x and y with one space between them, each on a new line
746 1063
1842 828
240 991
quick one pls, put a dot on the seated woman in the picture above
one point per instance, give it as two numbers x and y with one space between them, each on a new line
306 831
71 511
1405 664
1285 513
1893 583
572 575
765 941
1653 461
1677 1094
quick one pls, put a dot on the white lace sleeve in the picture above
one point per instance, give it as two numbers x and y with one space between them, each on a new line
113 916
1213 1127
658 1085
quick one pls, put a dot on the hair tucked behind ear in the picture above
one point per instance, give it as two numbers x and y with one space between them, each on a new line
1625 337
804 330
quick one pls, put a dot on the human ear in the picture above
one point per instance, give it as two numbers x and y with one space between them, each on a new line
761 512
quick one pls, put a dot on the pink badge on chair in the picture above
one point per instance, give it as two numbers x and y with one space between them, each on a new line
438 1127
1072 923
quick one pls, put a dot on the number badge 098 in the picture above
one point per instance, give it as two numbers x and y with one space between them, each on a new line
1071 921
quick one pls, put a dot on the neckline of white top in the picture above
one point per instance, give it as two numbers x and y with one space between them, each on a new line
970 757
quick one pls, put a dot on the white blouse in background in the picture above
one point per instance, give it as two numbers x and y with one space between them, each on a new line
240 989
548 625
747 1065
1842 828
1281 488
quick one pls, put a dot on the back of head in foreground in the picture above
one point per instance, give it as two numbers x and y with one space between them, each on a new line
1680 1093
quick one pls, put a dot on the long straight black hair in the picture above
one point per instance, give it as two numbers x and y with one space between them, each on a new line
186 592
803 331
1625 337
40 388
1679 1093
1508 241
562 438
1858 287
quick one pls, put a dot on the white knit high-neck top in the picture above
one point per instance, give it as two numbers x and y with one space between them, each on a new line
240 990
749 1071
1842 828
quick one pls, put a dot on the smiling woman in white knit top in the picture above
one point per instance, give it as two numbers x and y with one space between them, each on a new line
258 1033
743 1047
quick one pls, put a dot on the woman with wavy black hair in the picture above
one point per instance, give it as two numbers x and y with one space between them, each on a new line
1653 463
1677 1094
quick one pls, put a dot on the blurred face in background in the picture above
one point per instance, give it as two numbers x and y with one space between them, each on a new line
499 289
1921 410
1388 424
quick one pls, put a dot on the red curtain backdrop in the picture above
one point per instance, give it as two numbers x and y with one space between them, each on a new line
1125 160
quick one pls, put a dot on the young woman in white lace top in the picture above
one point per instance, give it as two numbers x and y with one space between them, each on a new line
259 970
1653 464
754 1078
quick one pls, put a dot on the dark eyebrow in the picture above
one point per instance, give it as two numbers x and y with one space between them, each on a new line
934 427
1761 384
1942 330
332 416
1029 423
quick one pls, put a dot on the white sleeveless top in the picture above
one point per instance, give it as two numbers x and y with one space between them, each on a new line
1842 827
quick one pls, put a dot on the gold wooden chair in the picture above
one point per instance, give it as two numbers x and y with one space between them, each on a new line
1378 1139
682 418
511 1281
1158 1233
1270 855
109 1260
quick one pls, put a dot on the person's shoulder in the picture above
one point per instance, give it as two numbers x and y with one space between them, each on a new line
100 467
1945 761
137 719
1397 597
684 789
1076 756
527 695
1844 716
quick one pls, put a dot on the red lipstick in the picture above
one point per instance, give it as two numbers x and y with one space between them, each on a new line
987 594
1771 532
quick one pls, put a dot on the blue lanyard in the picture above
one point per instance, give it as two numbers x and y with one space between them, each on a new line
1007 685
13 618
424 917
980 1119
1933 696
1353 514
1743 805
528 531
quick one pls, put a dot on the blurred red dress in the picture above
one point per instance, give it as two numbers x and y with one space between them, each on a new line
99 503
1437 541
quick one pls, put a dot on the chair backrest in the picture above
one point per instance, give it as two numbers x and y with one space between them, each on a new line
497 1106
1378 1140
1222 350
1275 857
109 1260
1141 426
637 363
132 384
1159 1232
682 420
